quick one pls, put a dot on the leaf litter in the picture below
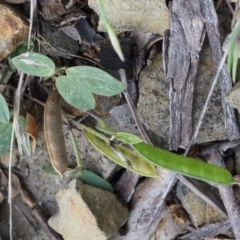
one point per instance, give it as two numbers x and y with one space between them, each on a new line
150 201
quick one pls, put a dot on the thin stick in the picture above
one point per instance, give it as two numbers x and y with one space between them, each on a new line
76 150
19 210
10 185
32 11
206 103
230 7
141 129
16 126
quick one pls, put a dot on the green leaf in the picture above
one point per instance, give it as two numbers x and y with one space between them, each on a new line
95 80
235 60
77 87
94 180
34 64
49 170
5 137
128 138
232 53
123 156
74 94
102 127
113 37
20 50
4 111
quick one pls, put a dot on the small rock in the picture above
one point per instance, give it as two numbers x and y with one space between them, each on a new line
87 212
145 16
201 213
14 30
56 42
153 104
233 96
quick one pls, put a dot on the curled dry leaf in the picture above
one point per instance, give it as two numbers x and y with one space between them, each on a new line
53 132
31 129
178 214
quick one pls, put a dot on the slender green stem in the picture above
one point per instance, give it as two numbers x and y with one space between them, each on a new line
96 133
76 150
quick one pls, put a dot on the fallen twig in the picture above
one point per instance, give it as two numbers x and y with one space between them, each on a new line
227 194
37 213
208 231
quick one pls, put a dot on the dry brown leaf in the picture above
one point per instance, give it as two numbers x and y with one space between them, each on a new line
147 204
179 216
53 132
31 129
174 223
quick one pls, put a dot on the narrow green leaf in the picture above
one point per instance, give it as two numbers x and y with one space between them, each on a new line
49 170
230 54
235 60
95 80
5 137
128 138
4 111
102 127
34 64
113 37
94 180
114 41
231 47
74 94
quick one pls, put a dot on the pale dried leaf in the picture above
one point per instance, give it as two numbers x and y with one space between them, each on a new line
173 223
147 203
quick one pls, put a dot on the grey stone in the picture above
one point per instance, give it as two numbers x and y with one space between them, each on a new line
57 43
14 29
87 212
201 213
145 16
153 104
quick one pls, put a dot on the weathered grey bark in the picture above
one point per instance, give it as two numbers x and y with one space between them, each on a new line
186 38
125 186
208 231
229 200
211 22
189 22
